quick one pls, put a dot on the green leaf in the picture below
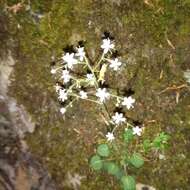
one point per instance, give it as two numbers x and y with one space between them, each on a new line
103 150
128 182
96 163
160 142
147 145
128 135
111 168
136 160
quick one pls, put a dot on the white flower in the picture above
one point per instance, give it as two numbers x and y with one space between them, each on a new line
137 130
63 110
70 60
62 95
90 78
83 94
110 137
80 53
128 102
53 71
66 76
107 45
102 94
118 118
115 64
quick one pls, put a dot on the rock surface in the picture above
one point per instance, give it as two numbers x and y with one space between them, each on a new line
153 38
19 170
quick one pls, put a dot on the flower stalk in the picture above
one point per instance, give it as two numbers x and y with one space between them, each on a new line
77 87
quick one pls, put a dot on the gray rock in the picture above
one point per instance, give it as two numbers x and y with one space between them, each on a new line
19 170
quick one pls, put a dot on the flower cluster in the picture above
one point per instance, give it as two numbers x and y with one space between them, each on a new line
88 85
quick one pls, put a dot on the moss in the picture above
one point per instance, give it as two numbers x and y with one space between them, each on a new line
141 31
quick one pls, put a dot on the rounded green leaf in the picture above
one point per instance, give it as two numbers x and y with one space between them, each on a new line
103 150
111 168
128 135
96 162
128 183
136 160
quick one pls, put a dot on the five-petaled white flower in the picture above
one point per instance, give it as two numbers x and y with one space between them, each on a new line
53 71
102 94
128 102
107 45
137 130
118 118
62 95
66 76
115 64
70 60
110 137
83 94
63 110
80 53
